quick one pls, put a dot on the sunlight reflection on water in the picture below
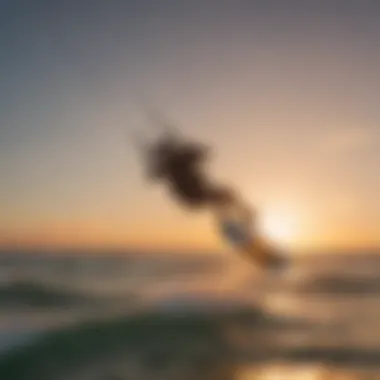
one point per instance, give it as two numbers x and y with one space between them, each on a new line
294 372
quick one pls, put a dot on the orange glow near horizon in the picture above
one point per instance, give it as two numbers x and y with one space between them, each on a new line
95 236
283 225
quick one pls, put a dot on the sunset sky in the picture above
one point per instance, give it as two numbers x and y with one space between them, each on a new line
286 92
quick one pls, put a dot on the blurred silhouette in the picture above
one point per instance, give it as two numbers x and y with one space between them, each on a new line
179 163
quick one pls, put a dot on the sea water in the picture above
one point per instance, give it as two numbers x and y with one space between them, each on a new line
320 319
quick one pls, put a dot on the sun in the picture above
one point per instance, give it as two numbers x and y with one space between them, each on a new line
280 225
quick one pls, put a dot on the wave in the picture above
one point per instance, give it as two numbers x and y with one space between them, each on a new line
152 335
32 294
157 340
340 285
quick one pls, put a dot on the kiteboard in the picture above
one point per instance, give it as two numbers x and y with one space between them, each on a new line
239 235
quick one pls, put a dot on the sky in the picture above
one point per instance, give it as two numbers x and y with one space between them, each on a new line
286 93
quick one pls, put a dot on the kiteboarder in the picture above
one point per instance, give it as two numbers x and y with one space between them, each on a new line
180 164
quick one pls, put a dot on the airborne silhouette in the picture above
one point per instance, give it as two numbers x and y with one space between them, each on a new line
180 163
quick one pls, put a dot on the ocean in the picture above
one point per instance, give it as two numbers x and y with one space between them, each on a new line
181 316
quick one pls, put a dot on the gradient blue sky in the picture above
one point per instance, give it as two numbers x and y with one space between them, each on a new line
286 91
